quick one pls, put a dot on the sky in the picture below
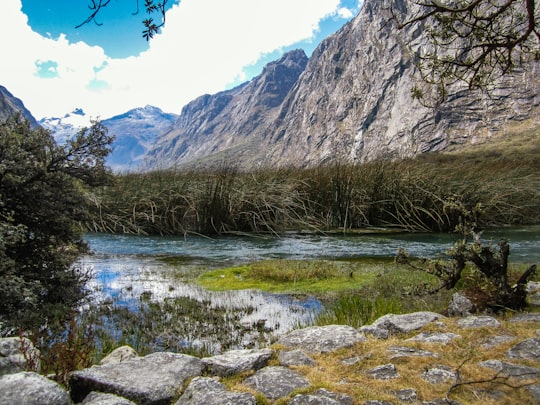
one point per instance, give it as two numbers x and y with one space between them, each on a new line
107 68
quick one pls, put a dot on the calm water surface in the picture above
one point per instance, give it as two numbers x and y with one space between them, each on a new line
129 267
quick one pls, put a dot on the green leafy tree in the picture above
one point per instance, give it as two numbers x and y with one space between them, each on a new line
42 201
473 41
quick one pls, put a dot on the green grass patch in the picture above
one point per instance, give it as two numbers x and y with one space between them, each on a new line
295 276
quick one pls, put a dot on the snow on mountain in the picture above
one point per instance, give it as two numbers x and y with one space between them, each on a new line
135 132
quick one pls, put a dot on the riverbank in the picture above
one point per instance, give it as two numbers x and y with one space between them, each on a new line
420 358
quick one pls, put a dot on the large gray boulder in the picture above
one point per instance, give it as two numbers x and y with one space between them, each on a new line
100 398
322 339
153 379
276 382
29 388
407 322
18 355
208 391
236 361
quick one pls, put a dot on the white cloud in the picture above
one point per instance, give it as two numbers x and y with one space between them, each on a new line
204 46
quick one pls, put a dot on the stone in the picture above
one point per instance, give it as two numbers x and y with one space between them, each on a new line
460 305
495 341
209 391
440 374
295 358
434 337
525 317
375 331
479 322
322 397
12 358
236 361
441 401
276 382
377 402
535 392
406 395
100 398
153 379
322 339
407 322
119 355
384 372
402 351
528 350
30 388
512 370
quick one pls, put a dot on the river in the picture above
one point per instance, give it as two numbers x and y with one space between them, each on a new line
128 270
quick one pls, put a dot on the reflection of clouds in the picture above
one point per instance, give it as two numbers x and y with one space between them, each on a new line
124 279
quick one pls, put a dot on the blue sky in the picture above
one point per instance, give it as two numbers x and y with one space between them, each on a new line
206 46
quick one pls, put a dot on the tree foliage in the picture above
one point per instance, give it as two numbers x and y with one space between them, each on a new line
474 41
42 200
151 7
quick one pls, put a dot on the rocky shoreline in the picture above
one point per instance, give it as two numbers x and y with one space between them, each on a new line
285 373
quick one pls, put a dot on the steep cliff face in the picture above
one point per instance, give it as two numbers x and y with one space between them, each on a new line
10 105
353 103
231 121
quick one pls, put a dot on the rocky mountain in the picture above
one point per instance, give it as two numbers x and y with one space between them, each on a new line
9 105
351 103
230 123
135 133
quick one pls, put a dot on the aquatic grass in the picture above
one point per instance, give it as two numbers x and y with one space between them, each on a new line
412 195
291 276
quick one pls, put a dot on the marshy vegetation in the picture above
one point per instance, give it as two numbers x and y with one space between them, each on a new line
411 195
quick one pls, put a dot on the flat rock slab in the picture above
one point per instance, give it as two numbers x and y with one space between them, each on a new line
440 374
407 322
384 372
208 391
479 322
434 337
153 379
528 349
30 388
322 339
276 382
526 317
322 397
295 358
402 351
236 361
512 370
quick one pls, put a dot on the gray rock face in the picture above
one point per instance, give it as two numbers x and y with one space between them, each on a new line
232 121
479 322
406 395
322 339
119 355
30 388
434 337
322 397
402 351
9 105
406 322
208 391
99 398
276 382
439 374
375 331
460 305
512 370
528 349
12 358
153 379
526 317
295 358
384 372
237 361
